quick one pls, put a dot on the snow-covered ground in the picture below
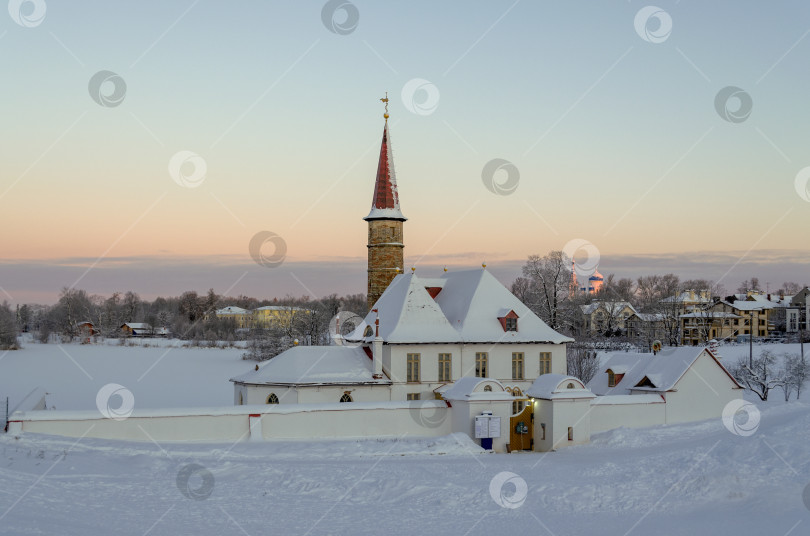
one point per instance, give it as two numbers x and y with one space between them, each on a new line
167 375
674 480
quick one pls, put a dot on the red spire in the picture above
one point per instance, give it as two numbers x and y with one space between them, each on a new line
385 204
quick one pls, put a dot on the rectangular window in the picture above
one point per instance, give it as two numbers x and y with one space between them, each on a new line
413 396
542 431
570 433
444 367
511 324
517 365
413 368
481 365
545 363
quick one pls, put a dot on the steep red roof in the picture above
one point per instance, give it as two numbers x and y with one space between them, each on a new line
385 203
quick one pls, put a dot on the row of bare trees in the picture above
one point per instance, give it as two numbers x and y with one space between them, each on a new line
545 286
768 371
189 316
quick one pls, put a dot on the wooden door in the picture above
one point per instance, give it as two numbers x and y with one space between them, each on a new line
521 428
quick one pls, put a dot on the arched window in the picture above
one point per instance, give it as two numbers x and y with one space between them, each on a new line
571 385
346 397
611 378
272 399
487 388
517 405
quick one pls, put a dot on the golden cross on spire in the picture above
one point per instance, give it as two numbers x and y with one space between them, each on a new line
385 100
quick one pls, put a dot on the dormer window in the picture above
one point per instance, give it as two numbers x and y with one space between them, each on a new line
613 378
509 321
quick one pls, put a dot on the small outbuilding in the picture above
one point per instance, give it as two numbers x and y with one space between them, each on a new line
313 375
561 411
473 398
691 382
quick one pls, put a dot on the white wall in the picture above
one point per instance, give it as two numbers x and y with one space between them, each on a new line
694 400
258 394
609 416
463 364
385 419
558 415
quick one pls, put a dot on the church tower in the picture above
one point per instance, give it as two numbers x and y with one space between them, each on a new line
385 246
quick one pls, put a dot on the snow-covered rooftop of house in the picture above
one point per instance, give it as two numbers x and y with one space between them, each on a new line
466 309
615 306
468 388
709 314
232 310
558 386
611 400
663 370
687 297
751 305
278 308
652 317
314 365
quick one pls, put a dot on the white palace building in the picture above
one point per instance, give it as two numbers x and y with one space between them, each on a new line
457 353
465 340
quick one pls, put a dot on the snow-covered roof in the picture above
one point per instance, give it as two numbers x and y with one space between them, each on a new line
466 309
611 400
314 365
651 317
752 305
136 325
558 386
469 388
687 297
709 314
278 308
232 310
663 370
614 306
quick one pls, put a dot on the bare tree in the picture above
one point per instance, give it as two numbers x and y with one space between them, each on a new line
582 362
73 307
550 280
8 328
761 377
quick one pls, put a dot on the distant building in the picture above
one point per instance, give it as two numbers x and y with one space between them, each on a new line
243 318
275 315
142 329
797 312
586 284
606 316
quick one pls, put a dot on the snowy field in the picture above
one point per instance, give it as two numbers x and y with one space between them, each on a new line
164 375
673 480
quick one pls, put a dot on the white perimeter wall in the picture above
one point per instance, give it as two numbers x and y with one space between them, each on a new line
346 420
609 416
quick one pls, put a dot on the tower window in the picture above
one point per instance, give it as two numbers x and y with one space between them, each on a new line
272 399
346 397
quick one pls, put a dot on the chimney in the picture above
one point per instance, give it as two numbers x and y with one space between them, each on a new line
376 349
